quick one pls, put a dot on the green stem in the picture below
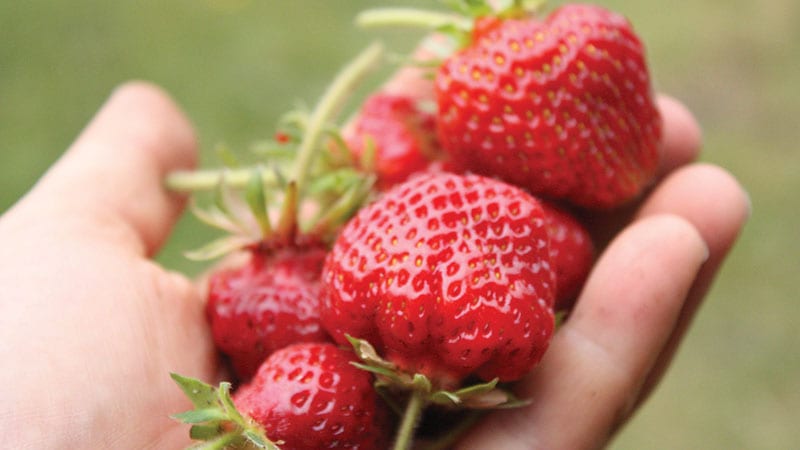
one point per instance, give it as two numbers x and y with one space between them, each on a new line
330 103
414 408
409 17
206 180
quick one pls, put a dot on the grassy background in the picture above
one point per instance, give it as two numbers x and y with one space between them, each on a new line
236 65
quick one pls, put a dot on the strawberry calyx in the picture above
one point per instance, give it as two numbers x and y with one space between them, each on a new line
215 419
420 391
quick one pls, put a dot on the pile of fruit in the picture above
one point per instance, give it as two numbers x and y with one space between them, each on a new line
390 279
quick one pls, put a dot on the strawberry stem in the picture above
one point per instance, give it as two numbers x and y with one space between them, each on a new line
409 17
206 180
413 413
330 103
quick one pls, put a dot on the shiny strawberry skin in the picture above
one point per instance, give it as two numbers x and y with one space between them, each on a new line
311 397
572 253
268 303
446 275
403 136
561 106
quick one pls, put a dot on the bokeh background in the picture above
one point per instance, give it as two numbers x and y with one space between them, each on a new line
236 65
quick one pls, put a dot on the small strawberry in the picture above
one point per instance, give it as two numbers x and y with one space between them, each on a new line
571 251
561 106
304 397
283 225
266 304
447 276
393 136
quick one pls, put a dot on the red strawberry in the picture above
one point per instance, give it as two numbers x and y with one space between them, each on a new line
446 275
402 137
571 251
310 396
562 107
267 304
306 396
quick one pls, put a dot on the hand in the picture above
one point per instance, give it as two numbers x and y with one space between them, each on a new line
90 326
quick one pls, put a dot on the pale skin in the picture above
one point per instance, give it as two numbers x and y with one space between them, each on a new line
91 327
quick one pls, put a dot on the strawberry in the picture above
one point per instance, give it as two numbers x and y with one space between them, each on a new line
265 305
571 251
393 135
306 396
272 300
447 276
561 106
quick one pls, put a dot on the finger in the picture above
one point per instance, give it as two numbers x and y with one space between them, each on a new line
682 138
111 178
597 361
717 205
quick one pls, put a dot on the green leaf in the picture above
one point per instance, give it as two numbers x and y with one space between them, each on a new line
197 416
257 201
202 395
445 398
206 432
215 218
287 221
477 389
257 439
219 247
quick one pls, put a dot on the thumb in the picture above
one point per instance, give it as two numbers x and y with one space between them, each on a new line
111 178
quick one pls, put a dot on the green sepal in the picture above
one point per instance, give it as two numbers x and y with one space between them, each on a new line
287 219
201 415
257 201
215 419
202 395
218 247
205 432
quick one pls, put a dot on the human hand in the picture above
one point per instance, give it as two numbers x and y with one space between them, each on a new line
105 325
91 326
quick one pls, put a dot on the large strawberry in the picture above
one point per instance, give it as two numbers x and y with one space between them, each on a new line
561 106
304 397
446 275
393 136
266 304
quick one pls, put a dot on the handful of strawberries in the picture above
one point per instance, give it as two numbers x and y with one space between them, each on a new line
418 261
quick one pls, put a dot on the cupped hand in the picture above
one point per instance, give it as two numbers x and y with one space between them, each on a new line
91 327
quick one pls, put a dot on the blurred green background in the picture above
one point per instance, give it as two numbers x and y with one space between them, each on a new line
236 65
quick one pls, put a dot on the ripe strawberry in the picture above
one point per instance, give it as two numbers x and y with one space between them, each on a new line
571 251
400 136
310 397
561 106
265 305
305 396
445 275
